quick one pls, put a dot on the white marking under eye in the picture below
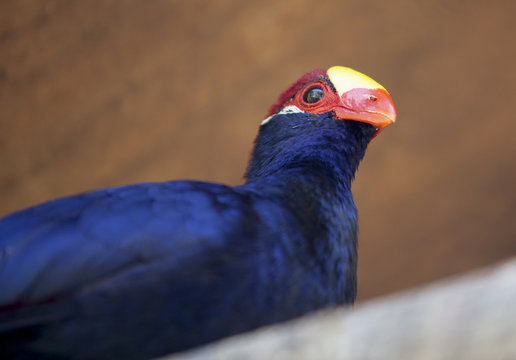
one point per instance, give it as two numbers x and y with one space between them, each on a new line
291 109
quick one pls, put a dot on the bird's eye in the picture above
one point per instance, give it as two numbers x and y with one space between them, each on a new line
313 94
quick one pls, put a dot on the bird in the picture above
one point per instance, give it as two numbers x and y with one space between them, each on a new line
148 269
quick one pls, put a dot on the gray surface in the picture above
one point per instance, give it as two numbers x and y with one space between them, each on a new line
468 317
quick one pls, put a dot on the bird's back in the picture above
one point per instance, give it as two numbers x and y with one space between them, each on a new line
186 260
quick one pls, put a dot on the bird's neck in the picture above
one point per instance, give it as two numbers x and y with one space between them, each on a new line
310 174
320 202
319 151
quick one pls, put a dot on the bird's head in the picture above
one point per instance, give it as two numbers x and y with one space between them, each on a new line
325 119
348 94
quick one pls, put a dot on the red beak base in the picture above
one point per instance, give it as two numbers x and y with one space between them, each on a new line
371 106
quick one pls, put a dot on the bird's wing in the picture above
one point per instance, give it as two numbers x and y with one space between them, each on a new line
58 247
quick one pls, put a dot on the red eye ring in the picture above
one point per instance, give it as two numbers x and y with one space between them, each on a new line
322 99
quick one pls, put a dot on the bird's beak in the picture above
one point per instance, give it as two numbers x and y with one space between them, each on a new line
361 98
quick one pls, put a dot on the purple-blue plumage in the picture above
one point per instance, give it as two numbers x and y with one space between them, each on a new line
143 270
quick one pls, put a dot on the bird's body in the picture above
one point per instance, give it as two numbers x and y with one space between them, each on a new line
143 270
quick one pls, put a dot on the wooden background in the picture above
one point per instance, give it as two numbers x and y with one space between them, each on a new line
102 93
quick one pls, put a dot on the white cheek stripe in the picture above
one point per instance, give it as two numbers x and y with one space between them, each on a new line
291 109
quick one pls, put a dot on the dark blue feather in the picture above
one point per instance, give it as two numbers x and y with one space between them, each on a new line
143 270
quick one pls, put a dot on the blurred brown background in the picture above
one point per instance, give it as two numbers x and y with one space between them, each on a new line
102 93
